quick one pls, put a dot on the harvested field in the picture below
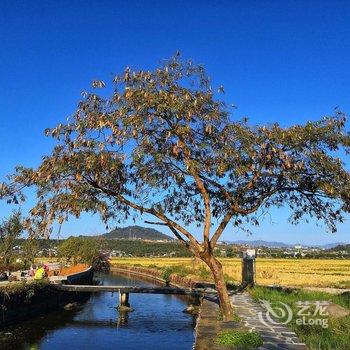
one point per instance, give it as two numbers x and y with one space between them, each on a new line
287 272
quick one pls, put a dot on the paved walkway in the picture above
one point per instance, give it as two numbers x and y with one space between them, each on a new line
275 336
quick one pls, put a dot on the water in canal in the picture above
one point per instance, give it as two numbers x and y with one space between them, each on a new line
157 323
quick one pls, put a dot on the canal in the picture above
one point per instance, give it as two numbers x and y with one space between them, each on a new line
158 322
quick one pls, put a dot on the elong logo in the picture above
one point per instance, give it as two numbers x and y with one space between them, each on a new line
310 313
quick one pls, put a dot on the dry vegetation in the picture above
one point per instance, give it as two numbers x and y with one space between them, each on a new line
286 272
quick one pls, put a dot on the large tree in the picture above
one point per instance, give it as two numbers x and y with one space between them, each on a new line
162 145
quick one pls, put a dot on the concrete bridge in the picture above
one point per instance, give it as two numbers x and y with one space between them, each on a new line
124 291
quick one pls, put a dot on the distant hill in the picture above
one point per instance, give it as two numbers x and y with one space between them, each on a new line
137 232
341 247
333 245
260 243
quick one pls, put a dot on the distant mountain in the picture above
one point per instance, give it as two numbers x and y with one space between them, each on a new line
341 247
332 245
260 243
137 232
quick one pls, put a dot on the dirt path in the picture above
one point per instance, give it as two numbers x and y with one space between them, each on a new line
328 290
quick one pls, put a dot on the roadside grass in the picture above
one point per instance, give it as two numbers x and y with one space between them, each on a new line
242 339
335 337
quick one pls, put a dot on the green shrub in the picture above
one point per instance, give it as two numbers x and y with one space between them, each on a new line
13 266
167 273
25 290
203 272
176 269
152 266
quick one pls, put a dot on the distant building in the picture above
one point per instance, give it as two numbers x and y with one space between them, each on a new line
223 252
116 253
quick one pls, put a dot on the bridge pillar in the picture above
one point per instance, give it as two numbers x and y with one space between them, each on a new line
124 304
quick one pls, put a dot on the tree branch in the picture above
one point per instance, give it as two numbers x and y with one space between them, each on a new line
155 223
221 228
206 198
170 223
236 210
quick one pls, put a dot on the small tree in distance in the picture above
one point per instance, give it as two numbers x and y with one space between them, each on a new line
30 248
79 250
163 146
10 231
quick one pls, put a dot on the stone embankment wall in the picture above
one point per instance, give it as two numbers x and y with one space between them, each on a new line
22 301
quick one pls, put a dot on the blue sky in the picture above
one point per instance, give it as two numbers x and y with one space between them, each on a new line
285 61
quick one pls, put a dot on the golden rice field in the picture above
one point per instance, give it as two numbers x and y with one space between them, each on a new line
323 273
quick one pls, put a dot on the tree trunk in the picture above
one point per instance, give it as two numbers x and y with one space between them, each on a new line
217 271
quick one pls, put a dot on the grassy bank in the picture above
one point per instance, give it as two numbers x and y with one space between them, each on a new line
335 336
286 272
22 292
22 286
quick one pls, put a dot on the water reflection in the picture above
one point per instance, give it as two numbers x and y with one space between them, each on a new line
157 322
123 319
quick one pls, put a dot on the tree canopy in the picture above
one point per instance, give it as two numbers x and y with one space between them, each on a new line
79 250
164 144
